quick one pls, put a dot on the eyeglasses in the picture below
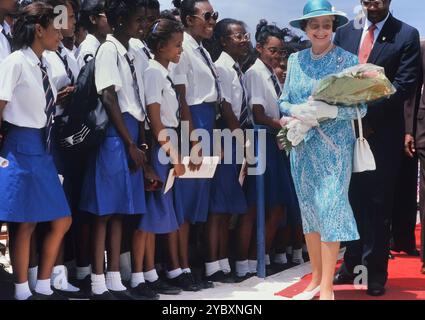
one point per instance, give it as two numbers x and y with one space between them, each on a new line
377 3
207 16
240 36
274 50
102 15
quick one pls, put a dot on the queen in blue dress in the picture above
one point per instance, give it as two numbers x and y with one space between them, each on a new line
321 169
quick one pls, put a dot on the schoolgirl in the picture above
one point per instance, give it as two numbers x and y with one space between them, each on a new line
200 92
227 196
113 185
27 145
263 91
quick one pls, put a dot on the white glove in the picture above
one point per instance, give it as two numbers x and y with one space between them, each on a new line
304 112
297 131
322 110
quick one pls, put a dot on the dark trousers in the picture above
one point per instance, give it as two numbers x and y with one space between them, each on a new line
405 206
371 197
421 155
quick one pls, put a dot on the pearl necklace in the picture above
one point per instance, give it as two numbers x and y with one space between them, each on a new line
324 53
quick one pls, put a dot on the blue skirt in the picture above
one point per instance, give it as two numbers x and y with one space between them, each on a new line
108 186
30 189
192 195
279 188
161 217
227 195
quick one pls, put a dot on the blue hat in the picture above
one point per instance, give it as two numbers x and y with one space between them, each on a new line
320 8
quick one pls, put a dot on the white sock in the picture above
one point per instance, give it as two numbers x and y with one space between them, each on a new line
22 291
211 268
186 270
280 258
289 250
32 277
225 265
98 283
113 281
82 272
151 276
125 266
297 256
43 287
136 279
59 279
242 268
267 259
252 264
174 273
305 248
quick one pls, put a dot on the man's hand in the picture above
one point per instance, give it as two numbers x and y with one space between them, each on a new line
409 145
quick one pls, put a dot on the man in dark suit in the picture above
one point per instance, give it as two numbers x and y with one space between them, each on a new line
385 41
415 142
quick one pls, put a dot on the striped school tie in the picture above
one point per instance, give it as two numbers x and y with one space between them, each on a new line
178 112
214 73
146 51
276 85
8 37
68 70
136 86
243 119
50 106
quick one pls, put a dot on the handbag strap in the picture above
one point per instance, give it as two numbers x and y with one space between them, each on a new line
360 124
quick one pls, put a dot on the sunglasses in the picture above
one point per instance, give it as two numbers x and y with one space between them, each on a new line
240 36
368 3
207 16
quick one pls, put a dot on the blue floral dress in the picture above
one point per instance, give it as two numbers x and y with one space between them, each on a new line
322 164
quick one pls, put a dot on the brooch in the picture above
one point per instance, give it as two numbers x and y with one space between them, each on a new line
384 38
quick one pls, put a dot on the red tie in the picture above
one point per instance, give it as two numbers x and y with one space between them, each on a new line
367 44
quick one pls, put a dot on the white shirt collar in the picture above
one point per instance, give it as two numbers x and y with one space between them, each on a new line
32 57
191 41
261 65
227 60
92 38
121 49
6 28
379 25
160 67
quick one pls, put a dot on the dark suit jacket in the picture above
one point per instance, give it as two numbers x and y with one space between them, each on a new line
415 108
396 49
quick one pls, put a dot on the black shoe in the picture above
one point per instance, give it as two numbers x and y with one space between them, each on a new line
84 285
122 295
104 296
343 278
185 281
243 278
78 295
53 296
218 276
4 275
375 290
163 287
144 292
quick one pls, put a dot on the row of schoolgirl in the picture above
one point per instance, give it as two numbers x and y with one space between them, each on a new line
147 70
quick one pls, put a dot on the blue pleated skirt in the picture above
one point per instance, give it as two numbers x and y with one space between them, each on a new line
192 195
279 188
160 217
108 186
227 195
30 189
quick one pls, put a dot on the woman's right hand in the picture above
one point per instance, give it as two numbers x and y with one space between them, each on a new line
179 169
137 157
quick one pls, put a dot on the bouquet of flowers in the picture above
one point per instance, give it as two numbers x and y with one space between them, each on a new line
363 83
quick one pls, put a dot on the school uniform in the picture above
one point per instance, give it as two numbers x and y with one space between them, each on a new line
30 190
161 216
202 94
65 70
87 49
5 41
227 195
145 54
264 89
109 187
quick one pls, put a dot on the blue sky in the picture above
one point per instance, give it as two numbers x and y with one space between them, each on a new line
281 11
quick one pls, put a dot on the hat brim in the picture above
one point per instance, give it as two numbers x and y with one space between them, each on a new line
342 18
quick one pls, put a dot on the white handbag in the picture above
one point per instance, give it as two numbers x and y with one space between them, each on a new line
363 159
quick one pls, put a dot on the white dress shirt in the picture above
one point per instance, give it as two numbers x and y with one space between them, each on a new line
87 47
377 31
5 49
193 72
21 85
261 91
109 72
158 89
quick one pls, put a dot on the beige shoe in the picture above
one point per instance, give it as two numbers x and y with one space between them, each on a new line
307 295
